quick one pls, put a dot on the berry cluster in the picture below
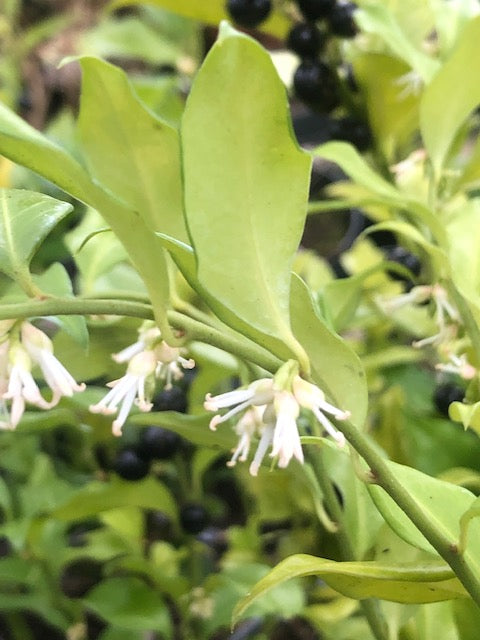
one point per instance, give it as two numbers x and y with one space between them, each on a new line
317 82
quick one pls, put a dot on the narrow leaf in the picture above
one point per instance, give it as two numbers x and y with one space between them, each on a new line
443 111
407 583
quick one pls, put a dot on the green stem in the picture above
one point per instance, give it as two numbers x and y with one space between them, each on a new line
383 477
370 606
227 340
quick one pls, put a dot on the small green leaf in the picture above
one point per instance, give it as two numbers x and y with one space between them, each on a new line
129 603
467 414
100 496
146 172
26 218
244 178
335 367
407 583
443 503
193 428
443 111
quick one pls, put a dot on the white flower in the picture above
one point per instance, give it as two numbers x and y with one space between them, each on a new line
271 411
40 349
21 385
169 361
458 365
129 389
309 396
148 334
248 425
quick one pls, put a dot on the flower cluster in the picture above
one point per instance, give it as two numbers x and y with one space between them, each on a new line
448 322
271 408
149 359
22 345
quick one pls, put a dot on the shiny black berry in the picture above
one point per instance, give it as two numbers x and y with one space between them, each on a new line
341 22
193 518
406 259
352 130
129 465
79 577
173 399
305 39
315 84
248 13
445 394
315 9
158 444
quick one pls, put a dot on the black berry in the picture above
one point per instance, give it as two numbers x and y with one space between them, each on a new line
315 84
79 577
406 259
249 13
445 394
341 21
315 9
352 130
157 443
193 518
158 526
305 39
129 465
173 399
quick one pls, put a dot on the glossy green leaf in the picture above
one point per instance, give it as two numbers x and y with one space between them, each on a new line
26 218
146 172
443 111
443 503
335 367
243 173
211 12
467 619
193 428
23 144
129 603
408 583
100 496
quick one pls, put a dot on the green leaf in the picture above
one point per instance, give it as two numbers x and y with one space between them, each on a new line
335 367
467 414
377 18
26 218
131 604
146 173
463 233
243 177
100 496
392 116
408 583
234 581
211 12
441 502
193 428
443 111
357 169
23 144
